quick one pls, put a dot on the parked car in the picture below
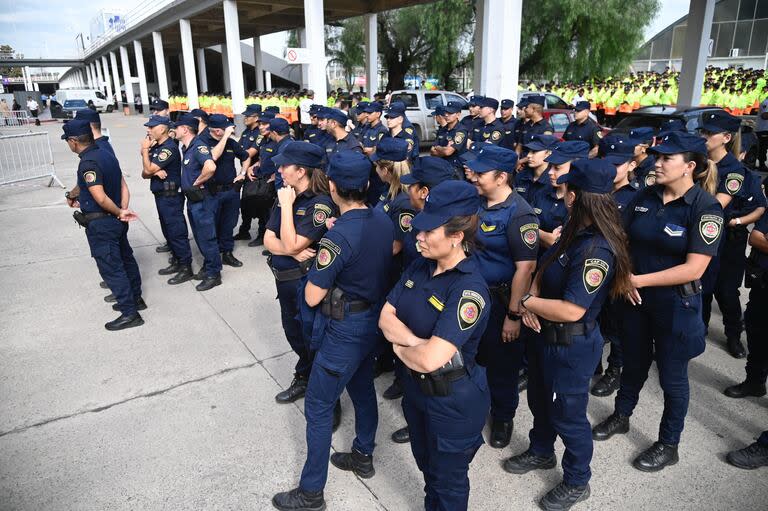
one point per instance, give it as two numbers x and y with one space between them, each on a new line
93 96
420 104
71 106
654 116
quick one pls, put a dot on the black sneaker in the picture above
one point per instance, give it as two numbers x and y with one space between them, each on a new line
608 383
527 461
103 285
501 433
163 248
124 321
394 391
140 305
209 283
172 269
199 275
401 436
355 461
295 390
242 236
736 348
229 259
185 274
751 457
256 242
745 389
110 298
656 457
563 496
299 500
614 424
266 253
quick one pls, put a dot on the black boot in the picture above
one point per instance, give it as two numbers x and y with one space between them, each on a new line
209 283
336 416
229 259
563 496
522 381
527 461
140 305
750 457
736 348
163 248
355 461
394 391
295 391
242 236
299 500
599 368
124 321
745 389
656 457
174 268
200 275
614 424
401 436
256 242
501 433
185 274
609 382
110 298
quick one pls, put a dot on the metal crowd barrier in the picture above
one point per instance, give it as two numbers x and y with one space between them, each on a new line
26 156
15 118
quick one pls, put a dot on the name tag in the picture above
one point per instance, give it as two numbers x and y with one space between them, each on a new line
301 212
641 209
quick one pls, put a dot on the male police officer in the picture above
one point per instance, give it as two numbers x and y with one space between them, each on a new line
93 118
250 140
491 131
454 140
583 128
508 122
336 121
538 124
159 107
104 213
376 129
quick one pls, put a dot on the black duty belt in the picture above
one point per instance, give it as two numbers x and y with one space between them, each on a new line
577 328
451 376
95 216
166 193
220 187
291 273
83 219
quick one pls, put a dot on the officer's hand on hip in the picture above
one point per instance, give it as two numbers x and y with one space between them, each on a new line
510 330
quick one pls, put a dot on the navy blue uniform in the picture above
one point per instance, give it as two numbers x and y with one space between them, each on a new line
445 431
103 144
527 187
409 135
169 200
108 236
667 326
542 127
508 232
250 138
588 131
559 376
550 209
374 134
755 317
202 213
509 126
267 152
354 256
645 172
455 137
489 133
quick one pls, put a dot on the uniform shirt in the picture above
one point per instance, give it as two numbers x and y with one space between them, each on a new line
542 127
374 134
269 150
489 133
193 159
441 137
520 128
360 130
582 274
318 137
103 143
469 122
409 135
400 212
645 173
549 208
623 195
410 250
761 226
662 235
356 255
98 167
508 232
453 305
348 143
310 212
527 187
588 131
250 138
225 165
736 181
509 126
167 157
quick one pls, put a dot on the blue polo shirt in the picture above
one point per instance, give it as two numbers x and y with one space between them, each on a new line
645 173
623 195
193 159
527 187
225 165
98 167
549 208
105 145
399 211
167 157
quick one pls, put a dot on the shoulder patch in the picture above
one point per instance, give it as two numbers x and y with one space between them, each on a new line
470 307
203 149
89 176
459 138
327 254
409 131
320 214
650 179
733 182
496 135
405 221
164 154
530 234
710 227
594 274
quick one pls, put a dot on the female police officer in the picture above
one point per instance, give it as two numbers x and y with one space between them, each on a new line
509 238
435 317
673 228
534 176
589 261
350 279
295 226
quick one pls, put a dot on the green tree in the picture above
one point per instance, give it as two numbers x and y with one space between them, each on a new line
573 39
13 72
344 46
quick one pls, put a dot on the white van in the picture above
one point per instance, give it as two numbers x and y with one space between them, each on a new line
101 103
419 105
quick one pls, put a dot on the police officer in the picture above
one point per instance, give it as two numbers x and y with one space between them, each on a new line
583 128
454 142
105 215
400 127
197 169
645 163
313 133
508 122
673 228
471 120
376 129
434 317
161 164
93 118
439 115
535 175
159 107
537 124
361 120
278 133
508 236
295 226
202 119
336 123
490 131
349 278
589 261
250 140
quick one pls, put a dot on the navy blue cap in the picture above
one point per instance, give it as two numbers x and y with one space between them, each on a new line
439 110
445 201
86 114
265 117
475 100
396 109
720 122
314 108
522 103
361 106
279 126
157 120
671 124
374 106
219 121
302 154
748 140
568 151
429 171
643 135
199 113
536 99
680 142
159 104
392 149
594 176
493 157
453 107
581 105
349 170
76 128
507 103
337 115
188 120
541 142
618 148
323 112
252 109
273 108
488 102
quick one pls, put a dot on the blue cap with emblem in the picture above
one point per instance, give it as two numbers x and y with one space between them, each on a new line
391 149
564 152
671 124
594 176
720 122
680 142
158 104
522 103
581 105
218 121
475 100
86 114
189 121
541 142
349 170
493 157
157 120
303 154
396 109
252 109
447 200
507 103
439 110
618 148
279 126
334 114
487 102
314 108
642 135
76 128
273 108
200 114
362 105
265 117
429 171
536 99
453 107
374 106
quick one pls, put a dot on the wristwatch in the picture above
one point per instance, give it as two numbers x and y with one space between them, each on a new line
524 298
513 315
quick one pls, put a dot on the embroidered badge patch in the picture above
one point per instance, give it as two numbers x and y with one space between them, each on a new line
595 271
470 307
710 227
327 254
90 176
530 234
496 135
164 154
650 179
320 215
487 228
203 149
733 182
409 284
458 138
405 221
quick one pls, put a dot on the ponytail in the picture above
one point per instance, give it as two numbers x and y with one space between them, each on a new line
705 173
734 146
318 181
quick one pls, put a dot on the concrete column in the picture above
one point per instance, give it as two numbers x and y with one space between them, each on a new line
89 80
498 41
162 75
202 72
115 75
107 80
304 67
313 24
127 77
268 83
225 68
371 55
234 56
700 15
139 55
258 63
94 78
182 76
99 75
188 55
